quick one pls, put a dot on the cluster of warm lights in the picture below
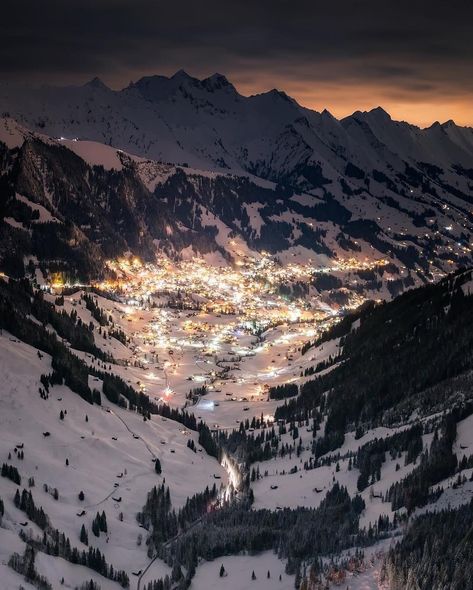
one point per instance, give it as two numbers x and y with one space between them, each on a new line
217 314
246 297
249 288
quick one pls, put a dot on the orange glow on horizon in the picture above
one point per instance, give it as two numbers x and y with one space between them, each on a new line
430 100
342 100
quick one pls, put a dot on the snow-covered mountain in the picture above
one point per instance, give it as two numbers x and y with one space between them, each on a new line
81 201
208 124
341 440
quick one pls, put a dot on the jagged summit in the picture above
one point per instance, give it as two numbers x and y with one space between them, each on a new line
156 88
380 112
217 82
327 118
327 113
97 83
207 124
182 75
377 113
276 94
449 123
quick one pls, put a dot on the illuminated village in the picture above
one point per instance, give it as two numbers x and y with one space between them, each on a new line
209 336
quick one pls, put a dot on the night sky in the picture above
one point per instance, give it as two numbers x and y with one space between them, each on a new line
415 58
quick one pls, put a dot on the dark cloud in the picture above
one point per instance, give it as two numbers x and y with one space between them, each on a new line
419 51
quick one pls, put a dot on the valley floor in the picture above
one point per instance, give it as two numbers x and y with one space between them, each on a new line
109 453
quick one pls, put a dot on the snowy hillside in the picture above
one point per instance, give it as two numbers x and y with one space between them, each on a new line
116 202
324 447
235 342
105 453
365 185
207 123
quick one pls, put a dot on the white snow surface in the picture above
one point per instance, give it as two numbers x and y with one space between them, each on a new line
95 461
238 570
95 153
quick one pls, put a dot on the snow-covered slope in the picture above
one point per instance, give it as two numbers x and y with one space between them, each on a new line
184 167
109 454
416 217
62 445
208 123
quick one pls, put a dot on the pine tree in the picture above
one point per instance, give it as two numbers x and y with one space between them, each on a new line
176 573
157 466
253 575
103 522
222 571
84 538
95 526
29 559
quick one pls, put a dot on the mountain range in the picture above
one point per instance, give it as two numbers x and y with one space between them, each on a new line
191 165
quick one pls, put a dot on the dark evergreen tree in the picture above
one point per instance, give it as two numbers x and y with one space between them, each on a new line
84 538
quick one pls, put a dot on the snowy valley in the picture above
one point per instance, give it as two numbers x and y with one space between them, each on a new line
235 342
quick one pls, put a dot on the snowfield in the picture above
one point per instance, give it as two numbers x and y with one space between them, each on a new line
238 571
108 452
94 153
97 463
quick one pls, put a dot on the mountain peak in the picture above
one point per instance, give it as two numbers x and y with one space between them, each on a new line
181 76
279 94
380 113
157 87
96 83
327 115
217 82
376 114
449 123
